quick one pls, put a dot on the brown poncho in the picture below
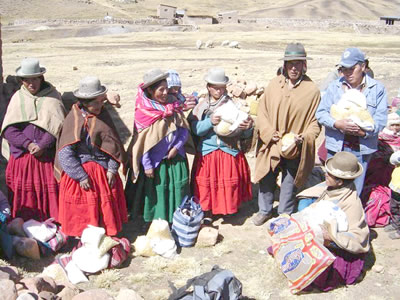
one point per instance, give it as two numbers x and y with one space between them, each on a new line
102 132
287 110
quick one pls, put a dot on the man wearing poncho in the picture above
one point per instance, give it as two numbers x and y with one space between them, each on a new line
288 106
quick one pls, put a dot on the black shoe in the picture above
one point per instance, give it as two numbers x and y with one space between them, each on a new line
261 218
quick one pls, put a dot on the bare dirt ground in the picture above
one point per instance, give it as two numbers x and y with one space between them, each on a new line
121 60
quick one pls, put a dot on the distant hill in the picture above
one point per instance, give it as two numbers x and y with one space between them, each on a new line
11 10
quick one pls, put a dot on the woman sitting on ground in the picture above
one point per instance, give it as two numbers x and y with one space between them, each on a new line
349 246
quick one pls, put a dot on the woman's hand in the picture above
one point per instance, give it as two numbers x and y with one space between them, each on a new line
110 179
326 235
35 150
275 136
246 124
215 119
347 126
172 153
298 139
149 173
189 103
85 184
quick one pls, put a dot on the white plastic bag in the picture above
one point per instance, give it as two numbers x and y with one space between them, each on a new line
41 231
87 259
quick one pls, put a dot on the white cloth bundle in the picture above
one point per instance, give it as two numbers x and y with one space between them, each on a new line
231 117
353 105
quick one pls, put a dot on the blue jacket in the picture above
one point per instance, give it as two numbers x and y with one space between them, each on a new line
376 104
209 139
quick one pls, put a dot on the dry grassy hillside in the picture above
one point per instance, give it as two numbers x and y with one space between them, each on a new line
320 9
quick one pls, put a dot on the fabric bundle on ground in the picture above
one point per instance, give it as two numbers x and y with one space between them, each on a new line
353 106
299 254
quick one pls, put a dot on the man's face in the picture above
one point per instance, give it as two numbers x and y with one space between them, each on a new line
294 69
354 74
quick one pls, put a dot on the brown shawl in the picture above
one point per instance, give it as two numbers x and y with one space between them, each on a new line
287 110
356 238
146 139
102 132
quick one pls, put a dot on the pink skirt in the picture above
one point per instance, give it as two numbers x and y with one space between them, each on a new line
34 190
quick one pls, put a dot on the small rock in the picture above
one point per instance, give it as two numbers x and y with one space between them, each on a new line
128 294
392 271
251 88
68 293
225 43
96 294
8 290
39 284
378 284
45 295
56 272
378 268
4 276
199 43
28 296
234 44
209 44
74 68
207 237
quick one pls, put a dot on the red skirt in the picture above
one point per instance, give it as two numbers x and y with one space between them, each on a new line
100 206
221 181
34 190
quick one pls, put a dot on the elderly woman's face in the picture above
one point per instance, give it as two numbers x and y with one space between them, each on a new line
96 105
216 91
294 69
32 84
160 93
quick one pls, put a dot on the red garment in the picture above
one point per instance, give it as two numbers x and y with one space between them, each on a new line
99 206
34 188
221 181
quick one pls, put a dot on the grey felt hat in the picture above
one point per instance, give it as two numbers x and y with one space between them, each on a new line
344 165
216 76
153 76
30 68
295 51
89 88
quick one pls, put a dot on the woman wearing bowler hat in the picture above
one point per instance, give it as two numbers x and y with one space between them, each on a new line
31 125
349 246
89 154
221 174
159 164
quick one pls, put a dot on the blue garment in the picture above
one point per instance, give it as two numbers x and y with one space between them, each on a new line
377 103
305 202
209 139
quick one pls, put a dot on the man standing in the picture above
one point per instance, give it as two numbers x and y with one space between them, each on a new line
286 112
345 135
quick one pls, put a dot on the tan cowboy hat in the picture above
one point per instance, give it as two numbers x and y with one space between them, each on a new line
344 165
153 76
30 68
216 76
89 88
295 51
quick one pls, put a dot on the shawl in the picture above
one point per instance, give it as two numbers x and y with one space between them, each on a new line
45 110
205 107
149 111
101 130
356 238
153 122
287 111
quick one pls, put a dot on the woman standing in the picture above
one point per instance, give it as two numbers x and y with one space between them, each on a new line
88 157
32 122
221 174
159 163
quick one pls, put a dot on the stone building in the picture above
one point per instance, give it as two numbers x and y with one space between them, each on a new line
228 17
166 11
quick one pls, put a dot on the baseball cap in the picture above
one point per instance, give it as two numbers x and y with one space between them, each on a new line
351 56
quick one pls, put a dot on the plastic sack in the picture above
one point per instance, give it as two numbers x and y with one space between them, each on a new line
92 236
297 251
142 246
186 222
87 259
41 231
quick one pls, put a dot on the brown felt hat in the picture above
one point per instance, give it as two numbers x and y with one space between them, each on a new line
344 165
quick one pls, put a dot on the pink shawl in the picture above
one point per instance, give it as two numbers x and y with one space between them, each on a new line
148 111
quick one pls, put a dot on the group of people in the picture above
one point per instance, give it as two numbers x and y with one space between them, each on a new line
65 166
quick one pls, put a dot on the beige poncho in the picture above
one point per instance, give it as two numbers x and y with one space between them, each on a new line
287 110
